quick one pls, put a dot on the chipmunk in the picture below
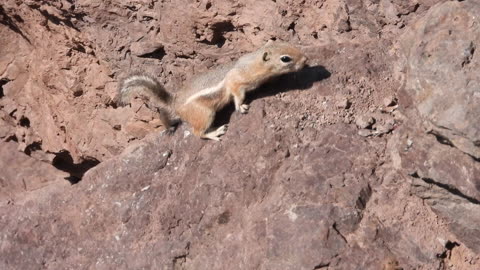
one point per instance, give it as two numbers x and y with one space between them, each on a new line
199 100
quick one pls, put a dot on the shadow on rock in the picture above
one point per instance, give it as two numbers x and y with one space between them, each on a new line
301 80
64 161
6 20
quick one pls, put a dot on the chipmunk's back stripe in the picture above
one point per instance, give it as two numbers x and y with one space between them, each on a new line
206 91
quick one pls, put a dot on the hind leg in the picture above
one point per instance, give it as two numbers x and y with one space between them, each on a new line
201 118
167 121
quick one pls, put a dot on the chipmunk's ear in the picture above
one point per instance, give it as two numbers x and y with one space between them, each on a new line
266 56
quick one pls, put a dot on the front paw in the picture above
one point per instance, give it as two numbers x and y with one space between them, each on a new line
244 108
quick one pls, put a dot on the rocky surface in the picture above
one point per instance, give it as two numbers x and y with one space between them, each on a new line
22 174
367 159
443 88
442 73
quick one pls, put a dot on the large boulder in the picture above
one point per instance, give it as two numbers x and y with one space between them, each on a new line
439 144
442 72
158 206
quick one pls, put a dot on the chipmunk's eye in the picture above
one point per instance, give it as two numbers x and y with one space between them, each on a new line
286 59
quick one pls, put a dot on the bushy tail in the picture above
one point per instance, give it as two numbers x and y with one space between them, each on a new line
144 86
152 93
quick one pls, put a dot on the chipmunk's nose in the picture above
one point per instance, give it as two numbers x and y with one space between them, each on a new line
305 59
302 63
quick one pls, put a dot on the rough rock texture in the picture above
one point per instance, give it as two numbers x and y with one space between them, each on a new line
22 174
442 73
442 84
367 159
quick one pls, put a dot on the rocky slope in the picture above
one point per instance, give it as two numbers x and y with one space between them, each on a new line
367 159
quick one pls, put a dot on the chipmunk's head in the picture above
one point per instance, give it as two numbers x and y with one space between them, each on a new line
282 57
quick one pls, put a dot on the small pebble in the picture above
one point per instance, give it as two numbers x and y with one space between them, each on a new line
364 121
389 101
409 143
343 103
385 128
365 132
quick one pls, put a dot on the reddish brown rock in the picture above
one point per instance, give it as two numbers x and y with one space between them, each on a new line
289 187
22 174
441 72
294 212
443 127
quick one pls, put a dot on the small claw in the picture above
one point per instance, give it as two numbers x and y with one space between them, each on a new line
221 130
215 135
169 131
244 108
